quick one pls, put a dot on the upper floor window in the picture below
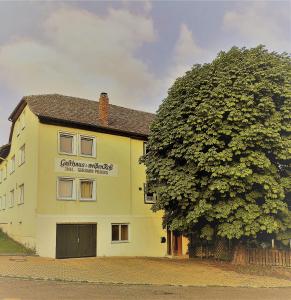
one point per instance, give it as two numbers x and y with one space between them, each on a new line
12 164
144 148
21 158
67 143
4 202
5 172
87 189
11 198
22 120
87 146
21 194
66 188
149 197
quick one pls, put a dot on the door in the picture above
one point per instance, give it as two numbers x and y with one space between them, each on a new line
76 240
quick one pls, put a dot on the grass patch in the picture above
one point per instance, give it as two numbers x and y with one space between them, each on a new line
9 246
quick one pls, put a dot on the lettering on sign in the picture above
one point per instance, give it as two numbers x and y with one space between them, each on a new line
81 166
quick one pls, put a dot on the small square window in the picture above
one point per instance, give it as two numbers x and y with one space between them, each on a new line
119 232
66 188
149 197
87 146
67 143
87 189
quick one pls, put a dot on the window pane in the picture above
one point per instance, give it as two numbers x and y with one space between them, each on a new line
86 146
115 232
66 188
21 197
87 189
124 232
66 143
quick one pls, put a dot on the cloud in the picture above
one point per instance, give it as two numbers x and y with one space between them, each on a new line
260 23
186 53
82 54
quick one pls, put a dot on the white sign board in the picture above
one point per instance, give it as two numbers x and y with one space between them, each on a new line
82 166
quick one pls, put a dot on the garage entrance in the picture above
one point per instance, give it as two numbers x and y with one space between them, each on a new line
76 240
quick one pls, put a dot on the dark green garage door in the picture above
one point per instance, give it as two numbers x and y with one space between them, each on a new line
76 240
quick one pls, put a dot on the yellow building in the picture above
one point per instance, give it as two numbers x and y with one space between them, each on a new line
71 184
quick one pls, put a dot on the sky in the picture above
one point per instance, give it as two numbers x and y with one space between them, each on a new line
133 50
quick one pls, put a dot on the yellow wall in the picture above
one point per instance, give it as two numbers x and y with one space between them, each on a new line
120 199
19 221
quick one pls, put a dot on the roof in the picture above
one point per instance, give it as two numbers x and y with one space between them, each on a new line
78 112
4 151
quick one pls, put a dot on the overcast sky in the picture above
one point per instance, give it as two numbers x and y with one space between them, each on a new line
132 50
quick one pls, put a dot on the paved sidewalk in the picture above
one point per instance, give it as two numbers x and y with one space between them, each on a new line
158 271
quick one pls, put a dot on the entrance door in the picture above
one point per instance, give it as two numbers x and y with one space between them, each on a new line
174 243
76 240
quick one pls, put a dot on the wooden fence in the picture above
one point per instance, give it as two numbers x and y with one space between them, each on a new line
269 257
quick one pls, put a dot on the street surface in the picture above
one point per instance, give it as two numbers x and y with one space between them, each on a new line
20 289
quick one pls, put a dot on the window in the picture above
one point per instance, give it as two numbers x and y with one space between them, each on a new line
87 189
144 148
5 172
21 194
149 198
4 202
22 120
17 128
67 142
119 232
1 175
66 188
11 198
12 164
21 154
87 146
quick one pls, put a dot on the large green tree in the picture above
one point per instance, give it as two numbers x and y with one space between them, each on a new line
219 150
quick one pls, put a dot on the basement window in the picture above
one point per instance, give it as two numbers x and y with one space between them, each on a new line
119 232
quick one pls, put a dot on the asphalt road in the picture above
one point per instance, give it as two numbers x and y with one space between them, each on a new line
16 289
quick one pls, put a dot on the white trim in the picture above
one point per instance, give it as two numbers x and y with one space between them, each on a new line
119 233
74 135
93 146
73 192
93 191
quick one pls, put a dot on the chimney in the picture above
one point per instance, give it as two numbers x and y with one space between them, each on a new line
103 109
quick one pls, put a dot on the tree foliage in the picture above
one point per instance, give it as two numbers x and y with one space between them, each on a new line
219 150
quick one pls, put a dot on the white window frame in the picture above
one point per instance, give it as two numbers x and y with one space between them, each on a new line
22 120
93 192
21 201
146 201
73 198
119 233
5 172
4 202
94 145
74 135
11 203
12 164
20 156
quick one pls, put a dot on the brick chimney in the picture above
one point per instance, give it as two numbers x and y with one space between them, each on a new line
103 109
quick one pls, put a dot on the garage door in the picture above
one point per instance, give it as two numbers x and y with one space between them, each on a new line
76 240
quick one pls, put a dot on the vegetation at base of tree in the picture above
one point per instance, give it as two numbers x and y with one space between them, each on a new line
9 246
219 149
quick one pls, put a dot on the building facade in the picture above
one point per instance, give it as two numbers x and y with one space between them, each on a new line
71 184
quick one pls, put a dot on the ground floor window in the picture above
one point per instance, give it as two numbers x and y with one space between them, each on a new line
119 232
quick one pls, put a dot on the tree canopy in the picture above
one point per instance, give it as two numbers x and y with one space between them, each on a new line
219 150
